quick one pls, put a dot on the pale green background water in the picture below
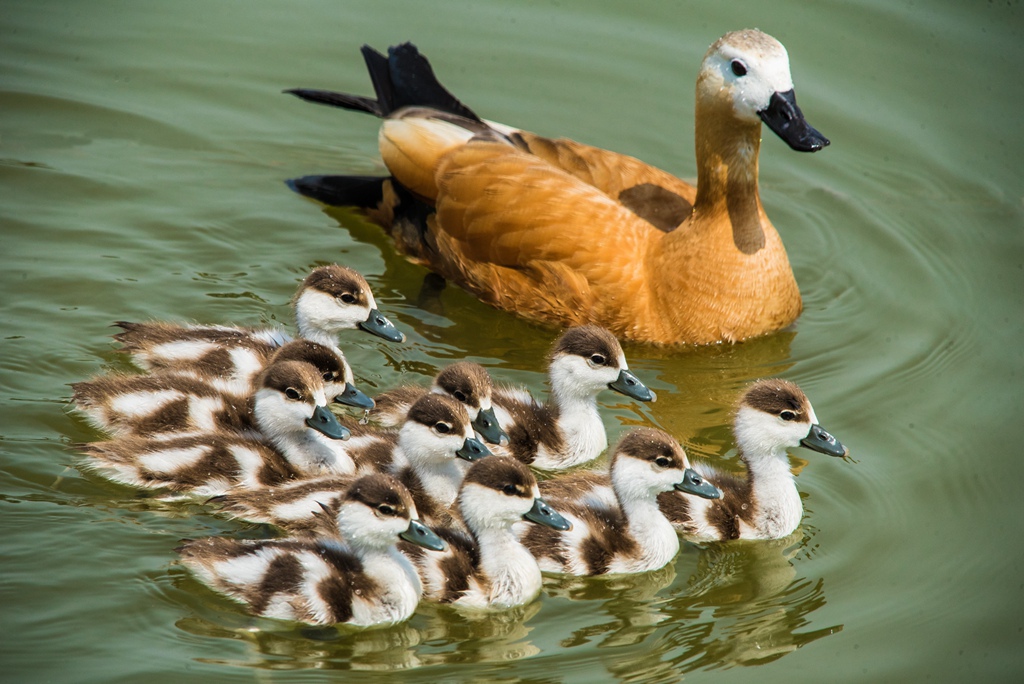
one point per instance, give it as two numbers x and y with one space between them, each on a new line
142 152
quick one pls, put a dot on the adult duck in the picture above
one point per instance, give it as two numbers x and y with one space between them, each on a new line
562 232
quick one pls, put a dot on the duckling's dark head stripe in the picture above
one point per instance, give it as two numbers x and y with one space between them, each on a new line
775 396
433 408
324 359
649 444
465 378
587 340
498 472
374 490
336 281
295 374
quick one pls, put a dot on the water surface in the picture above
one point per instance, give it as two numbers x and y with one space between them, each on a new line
143 148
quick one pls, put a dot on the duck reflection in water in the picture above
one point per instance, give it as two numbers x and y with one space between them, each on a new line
436 635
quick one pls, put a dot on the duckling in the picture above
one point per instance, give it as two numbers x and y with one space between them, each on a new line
339 382
330 299
661 262
174 403
298 437
772 416
430 456
365 581
567 430
487 567
468 382
627 534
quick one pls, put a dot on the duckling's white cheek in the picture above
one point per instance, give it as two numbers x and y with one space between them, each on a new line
811 417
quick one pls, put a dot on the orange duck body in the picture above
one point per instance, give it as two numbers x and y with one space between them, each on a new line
558 231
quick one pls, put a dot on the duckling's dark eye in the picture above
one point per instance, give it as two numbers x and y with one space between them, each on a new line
510 489
348 298
663 462
460 395
787 415
738 67
328 376
293 393
386 509
598 359
442 427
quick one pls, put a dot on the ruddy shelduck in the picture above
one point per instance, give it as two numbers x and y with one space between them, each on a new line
562 232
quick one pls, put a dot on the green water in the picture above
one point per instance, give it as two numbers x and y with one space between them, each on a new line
142 152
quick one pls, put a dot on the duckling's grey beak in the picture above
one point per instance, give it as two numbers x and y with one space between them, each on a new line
630 385
381 326
785 118
353 397
421 535
472 450
695 484
543 514
324 421
486 424
821 441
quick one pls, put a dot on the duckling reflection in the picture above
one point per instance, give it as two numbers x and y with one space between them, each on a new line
436 635
746 604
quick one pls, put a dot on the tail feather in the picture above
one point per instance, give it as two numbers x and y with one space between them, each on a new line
343 100
341 191
383 200
403 78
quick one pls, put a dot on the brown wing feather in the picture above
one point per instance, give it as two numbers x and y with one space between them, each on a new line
655 195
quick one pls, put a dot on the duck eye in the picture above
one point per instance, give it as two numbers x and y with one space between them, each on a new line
598 359
662 462
460 395
386 509
348 298
787 415
738 67
442 427
293 393
509 489
329 376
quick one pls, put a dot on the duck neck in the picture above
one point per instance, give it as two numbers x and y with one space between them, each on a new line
318 335
440 479
652 531
574 410
727 167
400 585
313 453
778 508
511 572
